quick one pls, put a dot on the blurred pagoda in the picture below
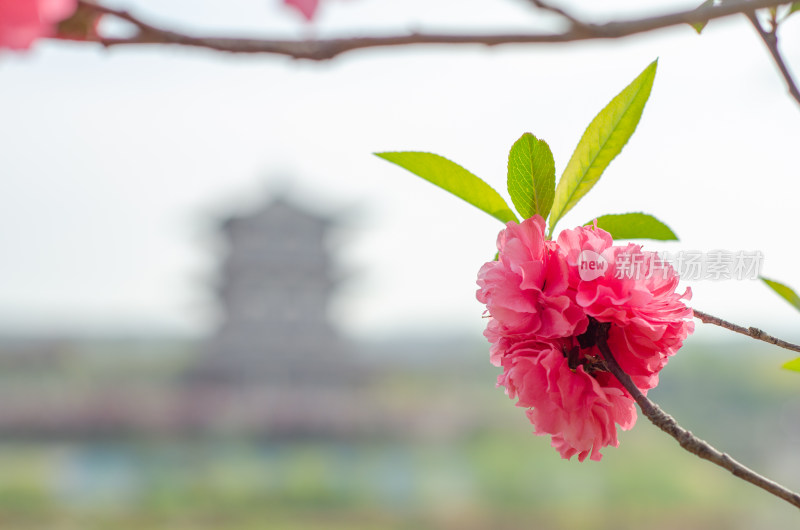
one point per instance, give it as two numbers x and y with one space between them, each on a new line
275 365
275 369
276 282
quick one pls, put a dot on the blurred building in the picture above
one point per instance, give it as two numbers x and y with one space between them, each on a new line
275 286
275 350
274 369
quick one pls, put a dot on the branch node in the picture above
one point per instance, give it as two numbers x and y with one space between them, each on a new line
770 39
752 332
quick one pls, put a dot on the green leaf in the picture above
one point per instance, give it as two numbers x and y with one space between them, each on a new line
699 26
603 140
635 226
531 176
792 365
785 292
455 179
793 9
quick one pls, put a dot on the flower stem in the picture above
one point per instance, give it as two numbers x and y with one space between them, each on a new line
685 438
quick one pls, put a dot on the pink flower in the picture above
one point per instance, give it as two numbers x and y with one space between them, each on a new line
526 289
577 406
307 7
542 325
637 295
24 21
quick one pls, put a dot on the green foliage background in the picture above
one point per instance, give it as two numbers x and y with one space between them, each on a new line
498 476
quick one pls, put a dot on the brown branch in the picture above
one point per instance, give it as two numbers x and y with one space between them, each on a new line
770 39
750 332
328 48
685 438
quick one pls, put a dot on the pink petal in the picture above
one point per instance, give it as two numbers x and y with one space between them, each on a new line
24 21
306 7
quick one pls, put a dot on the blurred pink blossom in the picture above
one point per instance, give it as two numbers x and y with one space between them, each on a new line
307 7
24 21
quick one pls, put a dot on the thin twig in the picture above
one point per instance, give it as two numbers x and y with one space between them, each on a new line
750 332
770 39
328 48
685 438
572 19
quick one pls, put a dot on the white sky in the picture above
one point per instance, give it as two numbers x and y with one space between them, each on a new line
112 163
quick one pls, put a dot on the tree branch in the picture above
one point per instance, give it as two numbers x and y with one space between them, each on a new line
329 48
685 438
770 39
750 332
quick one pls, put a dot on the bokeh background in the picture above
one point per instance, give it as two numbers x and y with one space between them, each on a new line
219 310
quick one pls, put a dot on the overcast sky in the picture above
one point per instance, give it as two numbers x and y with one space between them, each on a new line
114 163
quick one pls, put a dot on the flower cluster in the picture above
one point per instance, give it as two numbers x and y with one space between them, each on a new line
543 318
24 21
